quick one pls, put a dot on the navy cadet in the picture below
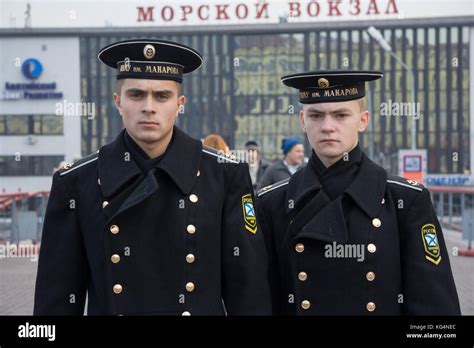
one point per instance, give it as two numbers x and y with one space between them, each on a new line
153 223
343 237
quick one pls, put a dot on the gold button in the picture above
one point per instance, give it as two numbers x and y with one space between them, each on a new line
114 229
370 276
186 314
104 204
302 276
98 181
299 248
370 306
191 229
198 173
376 222
193 198
190 258
118 288
190 287
115 258
371 248
305 304
383 200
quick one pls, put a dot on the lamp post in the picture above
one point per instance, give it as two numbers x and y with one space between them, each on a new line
377 36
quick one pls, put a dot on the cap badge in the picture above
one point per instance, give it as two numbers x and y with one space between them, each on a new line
149 51
323 83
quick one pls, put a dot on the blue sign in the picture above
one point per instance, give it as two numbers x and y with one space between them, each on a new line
447 180
32 68
412 163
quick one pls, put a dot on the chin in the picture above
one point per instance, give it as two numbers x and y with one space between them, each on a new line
148 137
331 153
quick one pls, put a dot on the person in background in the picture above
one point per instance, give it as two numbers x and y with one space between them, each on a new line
257 164
293 152
216 142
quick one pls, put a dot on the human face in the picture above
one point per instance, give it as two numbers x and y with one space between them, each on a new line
332 128
149 109
295 155
253 156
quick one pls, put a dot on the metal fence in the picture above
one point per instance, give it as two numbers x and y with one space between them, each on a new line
22 214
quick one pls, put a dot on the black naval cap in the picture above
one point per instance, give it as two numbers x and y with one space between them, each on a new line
150 59
330 85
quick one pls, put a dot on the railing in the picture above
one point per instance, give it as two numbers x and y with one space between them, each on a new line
451 203
455 209
12 205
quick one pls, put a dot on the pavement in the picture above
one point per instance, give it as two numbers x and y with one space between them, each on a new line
17 279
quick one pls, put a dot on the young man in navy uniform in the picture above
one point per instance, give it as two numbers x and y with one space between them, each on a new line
343 237
154 223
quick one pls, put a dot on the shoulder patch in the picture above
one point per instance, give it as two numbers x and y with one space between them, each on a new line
431 244
412 184
69 167
220 155
249 213
272 187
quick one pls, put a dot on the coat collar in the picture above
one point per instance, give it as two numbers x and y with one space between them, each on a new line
180 161
367 189
301 184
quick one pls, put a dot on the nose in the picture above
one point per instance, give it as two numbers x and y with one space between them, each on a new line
327 125
148 106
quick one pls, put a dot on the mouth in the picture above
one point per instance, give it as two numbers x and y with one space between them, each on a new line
149 123
328 141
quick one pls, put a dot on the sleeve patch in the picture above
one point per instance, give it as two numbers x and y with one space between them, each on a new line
248 209
430 242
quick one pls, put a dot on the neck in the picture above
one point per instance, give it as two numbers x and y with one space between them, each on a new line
329 161
154 149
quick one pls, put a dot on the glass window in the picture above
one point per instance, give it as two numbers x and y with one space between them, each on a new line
17 125
29 165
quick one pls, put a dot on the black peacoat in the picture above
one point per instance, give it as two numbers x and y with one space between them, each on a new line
377 249
180 240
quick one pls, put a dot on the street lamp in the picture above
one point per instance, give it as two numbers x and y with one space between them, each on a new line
377 36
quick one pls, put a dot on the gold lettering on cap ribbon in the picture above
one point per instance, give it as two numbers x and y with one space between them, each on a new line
159 69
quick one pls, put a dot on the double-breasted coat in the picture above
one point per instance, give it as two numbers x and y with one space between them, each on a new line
180 240
376 249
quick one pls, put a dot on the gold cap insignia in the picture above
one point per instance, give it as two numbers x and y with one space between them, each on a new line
149 51
322 82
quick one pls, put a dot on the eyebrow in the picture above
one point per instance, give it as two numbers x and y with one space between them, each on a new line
337 111
159 92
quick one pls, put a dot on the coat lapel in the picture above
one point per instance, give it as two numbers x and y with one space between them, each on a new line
368 188
124 185
322 219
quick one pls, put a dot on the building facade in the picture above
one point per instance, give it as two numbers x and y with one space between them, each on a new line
238 94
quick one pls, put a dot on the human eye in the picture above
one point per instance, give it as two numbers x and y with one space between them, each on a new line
135 94
162 97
